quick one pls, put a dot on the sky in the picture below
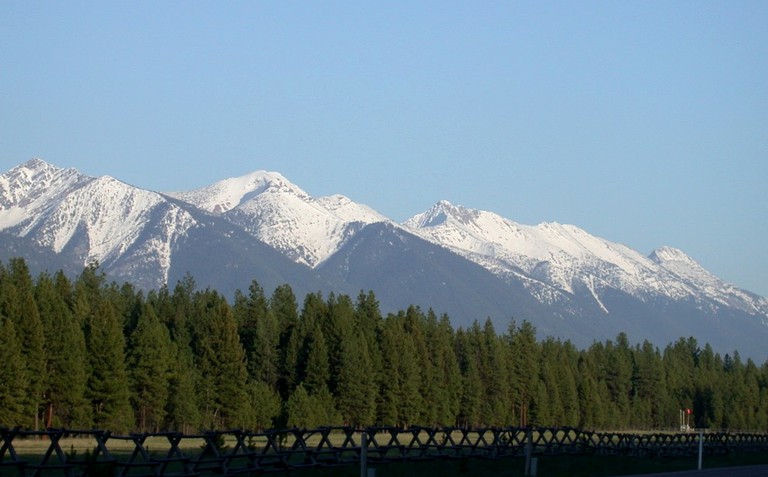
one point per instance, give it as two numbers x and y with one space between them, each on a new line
645 123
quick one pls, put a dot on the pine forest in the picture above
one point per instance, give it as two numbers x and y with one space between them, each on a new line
87 353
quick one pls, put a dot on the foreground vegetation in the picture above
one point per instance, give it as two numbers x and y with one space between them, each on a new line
85 353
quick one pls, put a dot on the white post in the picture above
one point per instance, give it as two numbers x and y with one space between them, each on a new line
701 447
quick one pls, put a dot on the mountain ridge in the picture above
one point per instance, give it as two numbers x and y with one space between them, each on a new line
261 226
564 256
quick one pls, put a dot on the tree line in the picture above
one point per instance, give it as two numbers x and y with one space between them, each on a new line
88 353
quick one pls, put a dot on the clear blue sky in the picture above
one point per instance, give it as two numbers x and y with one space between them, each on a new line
642 122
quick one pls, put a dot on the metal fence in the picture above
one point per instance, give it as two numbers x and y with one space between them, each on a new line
75 453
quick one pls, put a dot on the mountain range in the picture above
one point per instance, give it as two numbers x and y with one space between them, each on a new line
468 263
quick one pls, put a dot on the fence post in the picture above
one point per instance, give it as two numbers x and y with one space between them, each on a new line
364 454
528 451
701 447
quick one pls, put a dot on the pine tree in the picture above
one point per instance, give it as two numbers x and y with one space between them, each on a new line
264 406
494 375
259 334
470 400
369 324
356 385
310 410
414 324
680 360
400 402
409 373
567 377
283 307
174 310
150 370
446 383
648 390
19 305
66 360
618 368
221 360
369 321
338 324
591 407
13 377
182 411
316 372
524 357
108 386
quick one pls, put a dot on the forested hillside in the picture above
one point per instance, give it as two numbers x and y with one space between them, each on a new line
88 353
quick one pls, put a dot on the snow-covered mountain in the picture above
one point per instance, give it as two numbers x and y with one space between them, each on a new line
96 219
136 235
308 230
467 263
556 262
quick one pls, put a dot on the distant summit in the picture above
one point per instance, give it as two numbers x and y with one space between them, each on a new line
468 263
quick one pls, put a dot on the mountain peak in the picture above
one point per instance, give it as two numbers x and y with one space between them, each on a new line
35 163
35 180
440 213
228 194
668 254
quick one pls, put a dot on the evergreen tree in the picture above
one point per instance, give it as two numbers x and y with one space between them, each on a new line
680 360
174 311
524 357
445 387
494 375
618 368
338 324
127 302
264 406
400 402
221 360
470 400
108 387
356 386
369 321
13 377
414 324
259 333
66 360
649 392
182 309
150 370
317 372
310 410
283 307
369 324
183 412
591 406
29 328
567 378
